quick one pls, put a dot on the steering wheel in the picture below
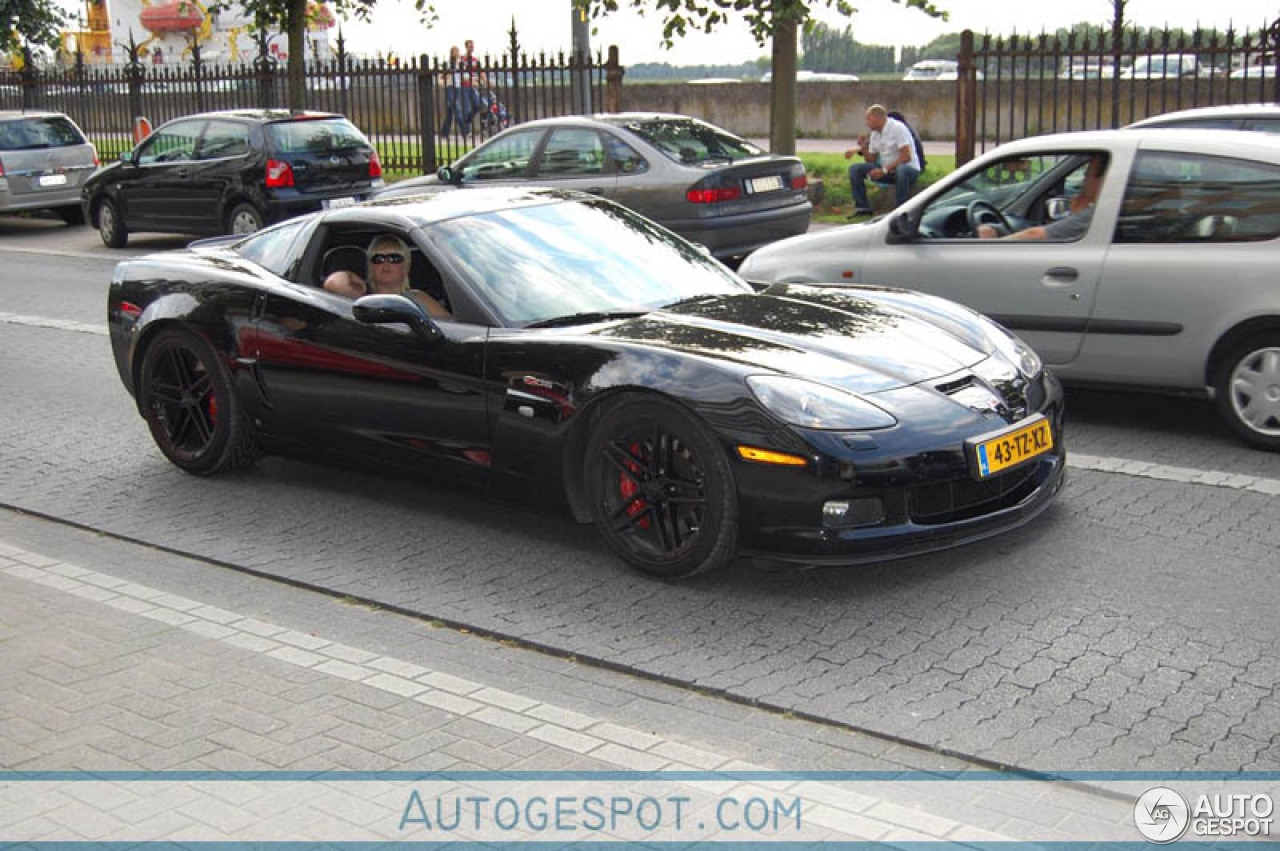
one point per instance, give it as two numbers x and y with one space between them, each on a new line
986 213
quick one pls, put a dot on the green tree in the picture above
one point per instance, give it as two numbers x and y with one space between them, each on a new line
778 21
26 23
290 17
824 48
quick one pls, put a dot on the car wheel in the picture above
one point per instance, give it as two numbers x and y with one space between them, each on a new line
73 215
244 219
185 395
662 493
1247 391
111 225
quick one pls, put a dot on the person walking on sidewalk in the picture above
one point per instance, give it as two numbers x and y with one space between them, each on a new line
453 92
890 160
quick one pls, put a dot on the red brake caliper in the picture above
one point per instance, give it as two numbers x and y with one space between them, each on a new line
627 487
213 407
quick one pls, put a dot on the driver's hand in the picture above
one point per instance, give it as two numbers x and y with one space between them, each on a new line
987 232
876 174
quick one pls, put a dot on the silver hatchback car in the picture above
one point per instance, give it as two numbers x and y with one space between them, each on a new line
1169 282
44 159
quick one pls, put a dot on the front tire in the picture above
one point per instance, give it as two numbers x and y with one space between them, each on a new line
111 225
661 489
1247 391
244 219
186 398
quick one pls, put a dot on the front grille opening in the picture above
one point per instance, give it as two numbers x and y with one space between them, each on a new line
964 499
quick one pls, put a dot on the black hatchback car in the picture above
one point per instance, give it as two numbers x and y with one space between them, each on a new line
231 172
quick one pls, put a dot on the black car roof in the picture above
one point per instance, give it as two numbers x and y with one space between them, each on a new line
422 210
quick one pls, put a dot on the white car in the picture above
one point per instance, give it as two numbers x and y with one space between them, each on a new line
1172 286
1259 117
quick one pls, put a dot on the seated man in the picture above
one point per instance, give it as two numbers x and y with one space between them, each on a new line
890 160
1070 227
389 260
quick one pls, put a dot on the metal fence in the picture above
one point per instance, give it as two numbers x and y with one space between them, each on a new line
401 105
1021 86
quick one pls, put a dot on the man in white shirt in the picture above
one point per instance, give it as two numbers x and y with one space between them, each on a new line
890 159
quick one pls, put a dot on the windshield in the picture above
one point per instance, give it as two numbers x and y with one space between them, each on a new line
693 142
316 136
533 264
52 131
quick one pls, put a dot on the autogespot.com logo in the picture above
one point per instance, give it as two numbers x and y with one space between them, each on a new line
1161 814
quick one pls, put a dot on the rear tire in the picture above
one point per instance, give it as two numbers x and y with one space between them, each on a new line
661 490
73 215
111 225
186 398
1247 391
244 219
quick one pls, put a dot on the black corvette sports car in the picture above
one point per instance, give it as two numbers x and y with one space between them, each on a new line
593 360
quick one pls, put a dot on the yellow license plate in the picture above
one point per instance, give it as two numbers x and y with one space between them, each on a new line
997 452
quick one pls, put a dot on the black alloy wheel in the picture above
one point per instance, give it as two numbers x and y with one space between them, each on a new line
111 225
662 492
185 396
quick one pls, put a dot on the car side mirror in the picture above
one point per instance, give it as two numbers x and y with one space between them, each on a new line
127 157
449 175
393 310
901 229
1058 208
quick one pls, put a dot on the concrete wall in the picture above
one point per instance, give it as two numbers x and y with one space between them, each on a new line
823 110
1012 110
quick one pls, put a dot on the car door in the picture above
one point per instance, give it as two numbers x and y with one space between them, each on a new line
1041 290
155 187
382 392
1194 245
575 158
505 160
219 156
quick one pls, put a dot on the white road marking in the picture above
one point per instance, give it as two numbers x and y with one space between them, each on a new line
48 322
1166 473
62 252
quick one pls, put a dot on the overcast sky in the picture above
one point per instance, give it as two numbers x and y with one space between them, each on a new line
545 25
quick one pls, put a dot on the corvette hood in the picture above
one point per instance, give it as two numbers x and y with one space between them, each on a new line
836 336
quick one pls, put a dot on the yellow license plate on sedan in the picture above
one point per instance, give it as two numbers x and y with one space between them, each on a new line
994 453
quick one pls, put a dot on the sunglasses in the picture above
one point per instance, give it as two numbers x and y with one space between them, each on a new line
379 259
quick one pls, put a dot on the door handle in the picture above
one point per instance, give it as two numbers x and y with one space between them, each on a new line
1060 276
182 172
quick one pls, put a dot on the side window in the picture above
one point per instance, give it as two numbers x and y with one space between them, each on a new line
1199 198
1262 125
625 158
503 158
572 152
272 248
171 144
224 139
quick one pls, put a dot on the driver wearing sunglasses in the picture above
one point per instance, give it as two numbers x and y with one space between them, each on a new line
388 259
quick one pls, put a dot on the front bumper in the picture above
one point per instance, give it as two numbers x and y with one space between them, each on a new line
922 494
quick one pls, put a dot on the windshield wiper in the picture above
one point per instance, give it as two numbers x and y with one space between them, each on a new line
586 318
693 299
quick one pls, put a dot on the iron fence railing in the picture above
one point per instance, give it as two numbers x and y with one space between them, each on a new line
402 106
1021 86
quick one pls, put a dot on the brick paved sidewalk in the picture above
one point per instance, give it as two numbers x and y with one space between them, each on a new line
118 658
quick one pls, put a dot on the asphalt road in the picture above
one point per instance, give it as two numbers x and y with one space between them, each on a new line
1132 626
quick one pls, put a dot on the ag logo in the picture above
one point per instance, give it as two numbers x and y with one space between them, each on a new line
1161 814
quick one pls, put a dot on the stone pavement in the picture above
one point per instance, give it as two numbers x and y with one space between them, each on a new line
120 658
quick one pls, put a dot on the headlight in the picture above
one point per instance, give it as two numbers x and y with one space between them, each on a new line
1017 352
812 405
